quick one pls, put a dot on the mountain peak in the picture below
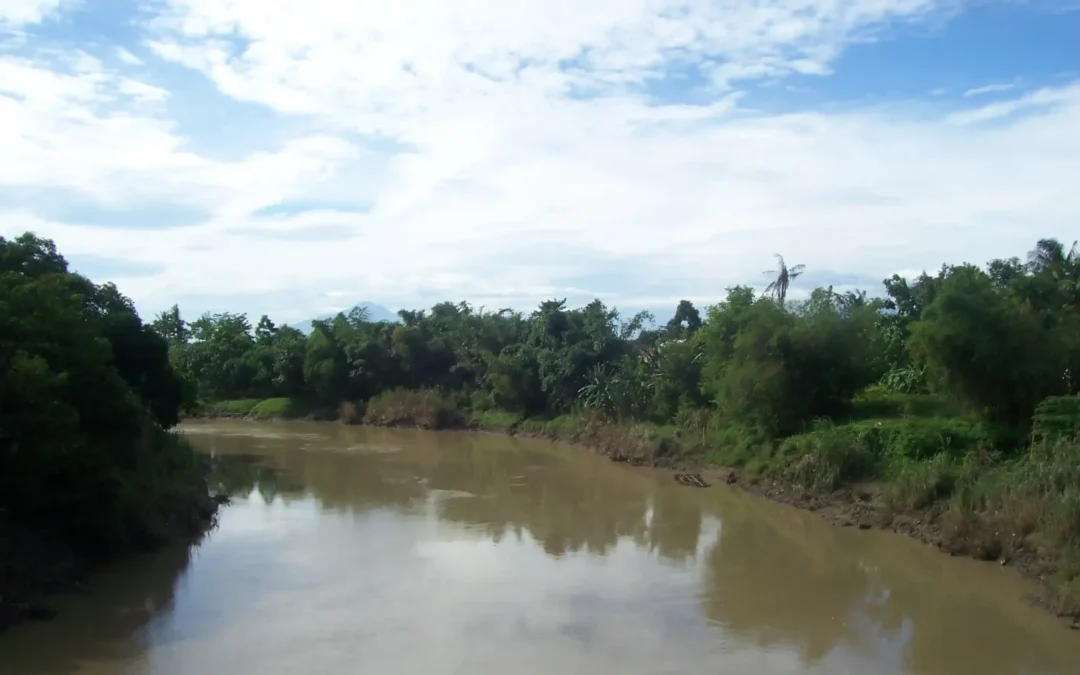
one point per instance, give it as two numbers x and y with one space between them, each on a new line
375 311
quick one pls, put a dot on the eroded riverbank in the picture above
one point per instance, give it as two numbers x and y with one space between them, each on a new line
413 551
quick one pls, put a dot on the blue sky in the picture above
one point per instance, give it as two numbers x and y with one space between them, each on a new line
293 158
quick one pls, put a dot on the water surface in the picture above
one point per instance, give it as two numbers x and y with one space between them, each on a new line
352 550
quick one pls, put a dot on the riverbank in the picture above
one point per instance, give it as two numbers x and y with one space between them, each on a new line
264 409
39 563
929 478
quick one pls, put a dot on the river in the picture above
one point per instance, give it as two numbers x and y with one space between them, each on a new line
356 550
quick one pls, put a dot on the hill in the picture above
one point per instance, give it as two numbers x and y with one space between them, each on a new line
375 313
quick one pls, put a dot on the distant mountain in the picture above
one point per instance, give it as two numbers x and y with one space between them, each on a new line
375 313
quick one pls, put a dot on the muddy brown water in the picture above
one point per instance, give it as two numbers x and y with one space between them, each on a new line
350 550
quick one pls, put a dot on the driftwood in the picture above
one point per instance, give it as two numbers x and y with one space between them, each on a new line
690 479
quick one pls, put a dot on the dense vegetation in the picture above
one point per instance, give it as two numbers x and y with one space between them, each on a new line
87 468
992 342
929 390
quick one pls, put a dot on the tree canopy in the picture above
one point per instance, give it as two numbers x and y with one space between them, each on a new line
86 395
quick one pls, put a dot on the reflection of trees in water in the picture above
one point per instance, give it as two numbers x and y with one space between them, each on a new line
238 475
778 577
675 527
757 587
337 481
565 501
100 626
969 629
565 505
568 502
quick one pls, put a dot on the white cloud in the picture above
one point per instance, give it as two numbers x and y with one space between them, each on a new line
989 89
1041 99
141 91
446 151
127 57
21 12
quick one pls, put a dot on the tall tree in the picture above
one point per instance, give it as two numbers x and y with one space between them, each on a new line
1049 255
784 275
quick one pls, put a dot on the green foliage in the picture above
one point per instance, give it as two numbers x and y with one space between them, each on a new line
915 484
236 408
1030 501
827 458
87 393
735 445
494 420
881 401
988 349
923 438
280 408
779 370
1056 416
962 341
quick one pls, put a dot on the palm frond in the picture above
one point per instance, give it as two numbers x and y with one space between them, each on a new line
1047 252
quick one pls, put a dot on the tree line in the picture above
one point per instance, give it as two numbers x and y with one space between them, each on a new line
995 340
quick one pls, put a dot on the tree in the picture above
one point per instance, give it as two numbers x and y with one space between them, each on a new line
170 325
784 275
86 393
1049 255
986 348
685 322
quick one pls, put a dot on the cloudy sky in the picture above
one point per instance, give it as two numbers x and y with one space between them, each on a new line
293 157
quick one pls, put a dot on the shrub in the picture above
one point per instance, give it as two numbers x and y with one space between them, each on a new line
737 445
923 438
634 443
423 409
916 484
494 420
1056 416
1035 494
880 402
827 458
350 413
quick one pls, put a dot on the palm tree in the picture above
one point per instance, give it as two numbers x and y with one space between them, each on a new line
784 276
1049 254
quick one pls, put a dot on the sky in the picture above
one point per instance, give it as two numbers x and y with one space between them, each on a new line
293 158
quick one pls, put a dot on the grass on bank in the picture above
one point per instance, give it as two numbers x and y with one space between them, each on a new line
265 409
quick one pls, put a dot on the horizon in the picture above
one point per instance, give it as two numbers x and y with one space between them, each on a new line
248 157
